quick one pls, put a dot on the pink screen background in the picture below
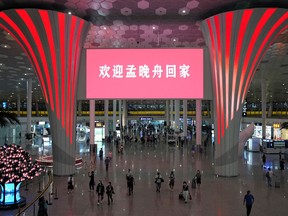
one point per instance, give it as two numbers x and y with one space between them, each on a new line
150 88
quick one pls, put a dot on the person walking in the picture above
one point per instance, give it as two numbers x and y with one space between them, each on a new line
185 191
249 200
70 183
92 181
130 182
110 192
100 190
101 154
158 181
171 180
269 175
107 161
198 178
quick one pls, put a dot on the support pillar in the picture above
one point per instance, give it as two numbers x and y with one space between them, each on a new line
106 120
236 47
198 122
167 113
53 42
263 99
29 105
171 113
114 114
120 114
92 121
177 115
185 111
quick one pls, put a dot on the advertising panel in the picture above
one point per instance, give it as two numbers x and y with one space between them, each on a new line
144 73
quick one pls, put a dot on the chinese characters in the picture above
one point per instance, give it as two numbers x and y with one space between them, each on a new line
143 71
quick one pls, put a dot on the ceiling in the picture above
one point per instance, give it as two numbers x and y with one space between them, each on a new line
142 24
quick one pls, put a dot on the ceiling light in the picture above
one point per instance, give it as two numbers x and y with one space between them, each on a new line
183 11
69 12
25 74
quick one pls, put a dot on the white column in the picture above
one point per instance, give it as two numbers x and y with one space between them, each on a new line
167 114
120 113
171 113
124 113
106 121
185 111
114 114
18 105
263 98
29 104
92 120
198 122
177 115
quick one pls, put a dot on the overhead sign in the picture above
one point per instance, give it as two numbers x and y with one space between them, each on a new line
144 73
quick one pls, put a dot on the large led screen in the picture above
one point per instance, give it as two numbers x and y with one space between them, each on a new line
144 73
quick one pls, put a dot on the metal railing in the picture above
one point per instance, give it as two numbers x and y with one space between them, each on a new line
22 210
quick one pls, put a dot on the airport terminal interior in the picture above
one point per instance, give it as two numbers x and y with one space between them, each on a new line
224 134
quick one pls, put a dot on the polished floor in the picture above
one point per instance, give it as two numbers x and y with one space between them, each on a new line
216 196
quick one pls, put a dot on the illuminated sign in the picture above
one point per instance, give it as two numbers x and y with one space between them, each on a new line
144 73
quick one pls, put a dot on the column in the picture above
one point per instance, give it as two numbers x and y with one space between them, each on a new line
236 46
106 120
171 113
167 113
120 113
29 105
263 99
18 105
114 114
124 113
177 115
53 42
185 111
92 121
198 122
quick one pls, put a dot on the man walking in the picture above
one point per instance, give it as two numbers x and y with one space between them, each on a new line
100 190
110 192
107 161
249 200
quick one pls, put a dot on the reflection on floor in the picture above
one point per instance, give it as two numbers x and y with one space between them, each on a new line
216 195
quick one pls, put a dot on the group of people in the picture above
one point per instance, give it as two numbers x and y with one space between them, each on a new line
185 193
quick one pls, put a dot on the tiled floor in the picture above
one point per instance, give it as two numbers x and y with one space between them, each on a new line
216 196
